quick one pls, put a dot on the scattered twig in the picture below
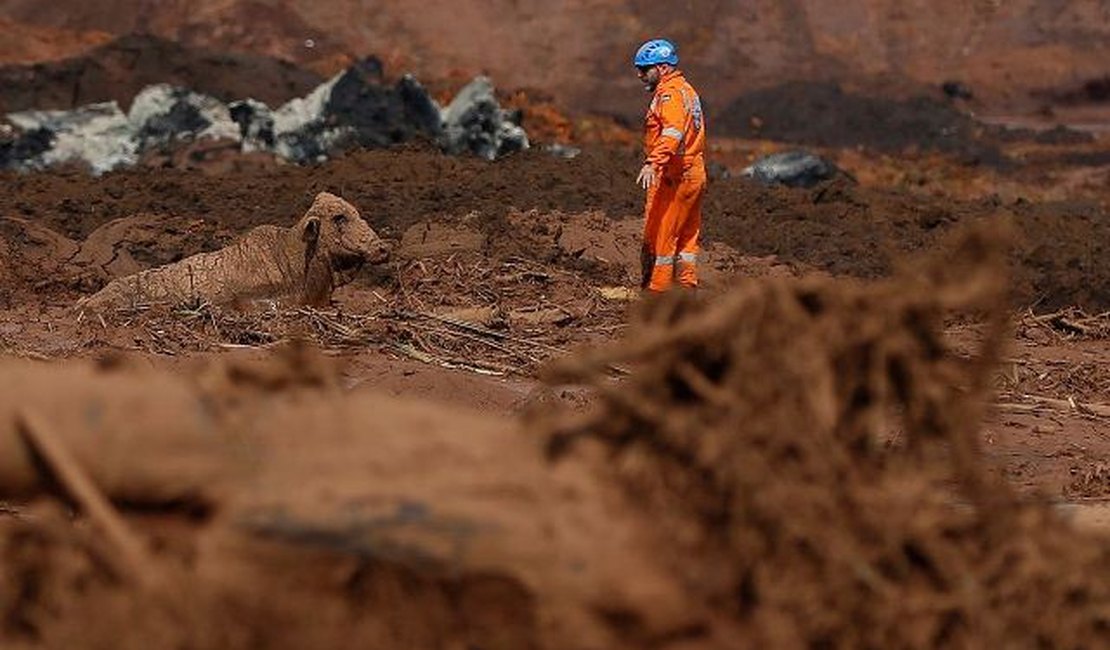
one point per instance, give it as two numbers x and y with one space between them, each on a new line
413 353
1070 404
496 346
412 316
461 324
7 510
1070 323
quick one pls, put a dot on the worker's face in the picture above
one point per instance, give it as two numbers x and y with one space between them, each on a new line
649 76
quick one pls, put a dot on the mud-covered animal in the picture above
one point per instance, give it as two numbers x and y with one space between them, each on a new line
304 263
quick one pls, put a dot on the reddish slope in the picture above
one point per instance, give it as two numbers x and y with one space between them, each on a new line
580 49
23 44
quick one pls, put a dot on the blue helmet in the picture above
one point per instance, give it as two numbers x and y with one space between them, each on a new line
658 50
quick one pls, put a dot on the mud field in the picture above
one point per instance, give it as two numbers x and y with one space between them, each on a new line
883 420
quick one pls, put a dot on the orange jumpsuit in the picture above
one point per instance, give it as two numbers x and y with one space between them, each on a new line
674 143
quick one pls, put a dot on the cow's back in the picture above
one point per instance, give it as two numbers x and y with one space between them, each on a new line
262 263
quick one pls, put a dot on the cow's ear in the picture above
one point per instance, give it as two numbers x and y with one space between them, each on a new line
311 230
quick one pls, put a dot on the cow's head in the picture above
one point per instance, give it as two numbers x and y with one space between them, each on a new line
334 231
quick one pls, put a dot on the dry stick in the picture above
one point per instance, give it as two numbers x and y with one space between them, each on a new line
707 389
132 563
9 511
192 285
515 353
1101 410
477 329
1046 317
1072 320
479 367
412 353
461 324
327 322
523 356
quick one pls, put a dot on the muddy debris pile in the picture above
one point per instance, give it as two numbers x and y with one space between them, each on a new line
836 226
791 464
815 444
823 114
355 108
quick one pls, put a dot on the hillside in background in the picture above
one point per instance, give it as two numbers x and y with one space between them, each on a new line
1014 56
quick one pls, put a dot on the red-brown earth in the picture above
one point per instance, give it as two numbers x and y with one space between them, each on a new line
362 508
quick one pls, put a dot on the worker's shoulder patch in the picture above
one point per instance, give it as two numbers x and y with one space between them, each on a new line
664 97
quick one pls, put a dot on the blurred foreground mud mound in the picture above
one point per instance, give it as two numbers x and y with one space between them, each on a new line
814 444
791 464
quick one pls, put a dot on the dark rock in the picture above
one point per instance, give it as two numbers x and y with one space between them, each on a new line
353 109
791 168
956 90
716 171
163 114
17 147
560 150
475 123
419 106
378 115
256 124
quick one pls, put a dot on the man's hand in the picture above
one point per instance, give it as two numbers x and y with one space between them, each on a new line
647 176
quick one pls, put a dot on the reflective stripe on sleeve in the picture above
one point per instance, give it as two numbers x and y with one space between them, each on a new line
672 132
688 258
663 260
686 104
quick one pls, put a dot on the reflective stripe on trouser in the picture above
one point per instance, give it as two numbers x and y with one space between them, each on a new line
672 222
688 269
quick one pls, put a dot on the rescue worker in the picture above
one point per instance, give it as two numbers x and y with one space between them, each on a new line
673 173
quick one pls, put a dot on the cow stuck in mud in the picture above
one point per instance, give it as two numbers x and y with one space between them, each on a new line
304 263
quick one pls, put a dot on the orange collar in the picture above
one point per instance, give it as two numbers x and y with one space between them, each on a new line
667 78
670 74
